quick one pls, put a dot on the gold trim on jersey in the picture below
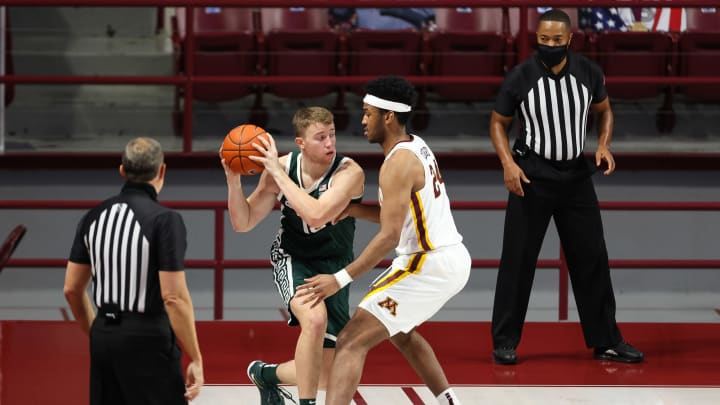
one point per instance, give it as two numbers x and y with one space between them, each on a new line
393 277
420 224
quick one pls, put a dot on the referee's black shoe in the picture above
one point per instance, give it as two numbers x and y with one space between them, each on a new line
621 352
505 355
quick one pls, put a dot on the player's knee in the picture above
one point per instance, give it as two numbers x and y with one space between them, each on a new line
314 322
343 341
404 341
347 341
401 340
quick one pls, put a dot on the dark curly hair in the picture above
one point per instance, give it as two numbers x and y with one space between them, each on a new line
393 88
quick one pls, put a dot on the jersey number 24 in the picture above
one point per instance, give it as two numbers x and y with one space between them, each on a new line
437 178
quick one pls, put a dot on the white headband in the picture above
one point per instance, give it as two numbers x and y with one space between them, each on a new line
386 104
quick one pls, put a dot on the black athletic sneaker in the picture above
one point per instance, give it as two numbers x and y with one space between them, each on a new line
621 352
270 394
505 355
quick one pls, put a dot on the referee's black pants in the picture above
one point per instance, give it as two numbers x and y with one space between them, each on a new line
568 196
135 361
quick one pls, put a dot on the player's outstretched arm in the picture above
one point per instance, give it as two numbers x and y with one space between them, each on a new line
367 212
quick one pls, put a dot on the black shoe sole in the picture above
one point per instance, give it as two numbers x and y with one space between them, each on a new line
618 359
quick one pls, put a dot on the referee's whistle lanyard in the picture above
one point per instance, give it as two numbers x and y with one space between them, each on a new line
552 55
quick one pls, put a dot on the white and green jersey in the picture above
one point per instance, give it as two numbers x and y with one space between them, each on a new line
302 241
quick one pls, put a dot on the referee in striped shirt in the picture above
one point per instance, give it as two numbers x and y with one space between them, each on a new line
548 177
133 249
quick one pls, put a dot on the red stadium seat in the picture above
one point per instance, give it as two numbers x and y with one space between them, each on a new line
700 56
634 54
389 52
468 42
225 44
294 18
639 54
299 41
699 51
466 19
703 19
384 52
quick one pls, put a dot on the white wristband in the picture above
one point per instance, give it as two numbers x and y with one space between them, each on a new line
343 278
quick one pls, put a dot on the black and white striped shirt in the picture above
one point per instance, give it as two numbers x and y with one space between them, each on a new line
127 240
552 109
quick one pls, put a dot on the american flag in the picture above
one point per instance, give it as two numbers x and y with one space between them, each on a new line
622 18
669 19
601 19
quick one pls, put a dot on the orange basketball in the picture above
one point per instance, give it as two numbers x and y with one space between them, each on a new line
237 147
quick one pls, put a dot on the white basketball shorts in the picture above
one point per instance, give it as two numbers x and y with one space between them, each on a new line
416 286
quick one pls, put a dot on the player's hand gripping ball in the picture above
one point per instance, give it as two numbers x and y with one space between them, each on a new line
237 147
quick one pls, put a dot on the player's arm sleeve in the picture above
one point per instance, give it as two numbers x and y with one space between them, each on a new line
79 252
507 100
171 238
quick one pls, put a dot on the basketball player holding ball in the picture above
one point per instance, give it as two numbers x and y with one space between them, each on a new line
314 185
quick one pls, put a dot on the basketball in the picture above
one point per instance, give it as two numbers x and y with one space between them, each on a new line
237 149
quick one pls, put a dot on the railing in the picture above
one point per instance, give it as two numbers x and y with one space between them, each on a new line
218 263
189 78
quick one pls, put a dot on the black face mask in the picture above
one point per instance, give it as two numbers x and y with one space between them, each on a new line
552 55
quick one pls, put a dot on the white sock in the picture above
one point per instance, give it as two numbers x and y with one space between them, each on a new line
448 397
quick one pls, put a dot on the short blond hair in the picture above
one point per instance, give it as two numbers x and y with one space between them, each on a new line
307 116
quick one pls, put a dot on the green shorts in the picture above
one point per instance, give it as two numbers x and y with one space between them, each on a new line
291 273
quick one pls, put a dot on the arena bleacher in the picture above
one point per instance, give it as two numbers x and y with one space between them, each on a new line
269 47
